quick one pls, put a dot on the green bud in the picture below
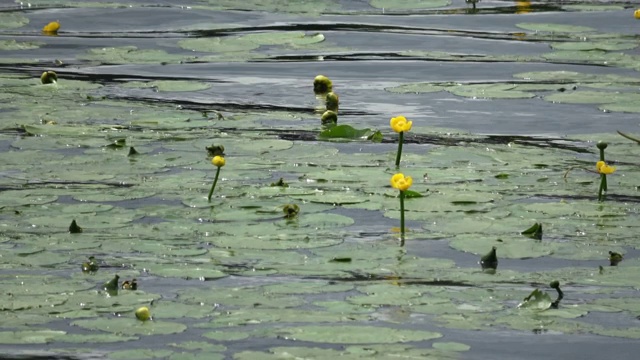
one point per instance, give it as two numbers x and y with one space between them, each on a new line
490 260
554 284
280 183
322 85
614 258
111 286
74 228
332 102
90 266
49 77
329 117
215 150
290 211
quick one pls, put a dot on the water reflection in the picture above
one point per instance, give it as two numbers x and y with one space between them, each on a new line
523 7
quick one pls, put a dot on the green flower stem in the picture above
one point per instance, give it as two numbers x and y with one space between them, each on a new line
603 180
213 186
399 154
603 187
402 214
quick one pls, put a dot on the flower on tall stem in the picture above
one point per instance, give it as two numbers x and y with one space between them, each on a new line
402 183
400 124
219 162
603 169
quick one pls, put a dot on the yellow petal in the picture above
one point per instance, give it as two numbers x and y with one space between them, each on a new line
405 183
606 169
396 179
599 165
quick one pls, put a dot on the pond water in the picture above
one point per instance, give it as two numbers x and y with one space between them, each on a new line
508 100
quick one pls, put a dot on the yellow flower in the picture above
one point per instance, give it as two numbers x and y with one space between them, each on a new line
400 124
51 28
218 161
603 168
636 14
400 182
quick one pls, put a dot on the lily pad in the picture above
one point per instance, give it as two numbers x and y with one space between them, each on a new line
357 334
555 28
131 326
408 4
10 20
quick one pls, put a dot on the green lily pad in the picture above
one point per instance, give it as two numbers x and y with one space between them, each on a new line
250 41
12 45
30 336
451 346
170 85
408 4
10 20
129 55
357 334
140 354
345 132
593 97
587 45
555 28
131 326
226 335
418 88
489 91
508 247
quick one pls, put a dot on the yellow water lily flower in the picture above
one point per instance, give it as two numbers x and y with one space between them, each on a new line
51 28
218 161
636 14
603 168
400 182
400 124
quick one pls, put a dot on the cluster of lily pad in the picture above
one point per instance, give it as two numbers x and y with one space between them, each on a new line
172 249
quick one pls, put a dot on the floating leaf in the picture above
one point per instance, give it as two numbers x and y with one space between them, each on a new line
408 4
131 326
555 28
357 334
345 132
